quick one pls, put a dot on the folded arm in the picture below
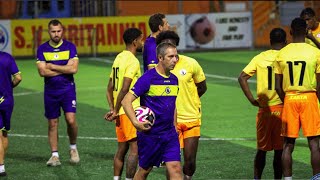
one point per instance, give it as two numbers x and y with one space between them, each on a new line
70 68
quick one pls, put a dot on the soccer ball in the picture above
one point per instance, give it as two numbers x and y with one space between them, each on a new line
144 113
202 30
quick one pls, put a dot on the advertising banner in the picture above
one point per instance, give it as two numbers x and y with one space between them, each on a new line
219 30
177 24
90 35
5 34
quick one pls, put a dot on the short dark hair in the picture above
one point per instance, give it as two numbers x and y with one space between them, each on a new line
130 35
155 21
54 22
298 26
168 35
278 35
162 47
307 11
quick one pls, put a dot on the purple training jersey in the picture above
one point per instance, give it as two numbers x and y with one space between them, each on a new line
159 94
58 55
8 67
149 53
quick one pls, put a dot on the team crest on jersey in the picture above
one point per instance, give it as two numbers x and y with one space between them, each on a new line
74 103
183 72
167 90
56 56
318 35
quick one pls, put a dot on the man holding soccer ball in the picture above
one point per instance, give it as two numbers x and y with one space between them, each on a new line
159 142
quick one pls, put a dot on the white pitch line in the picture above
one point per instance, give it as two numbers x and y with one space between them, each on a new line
207 75
113 138
77 89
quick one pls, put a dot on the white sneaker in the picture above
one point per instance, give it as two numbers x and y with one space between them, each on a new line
54 161
74 156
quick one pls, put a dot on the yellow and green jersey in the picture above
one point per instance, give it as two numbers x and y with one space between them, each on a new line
262 66
125 65
298 63
316 34
188 104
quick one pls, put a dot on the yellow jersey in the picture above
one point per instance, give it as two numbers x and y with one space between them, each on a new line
298 63
316 34
125 65
188 104
262 66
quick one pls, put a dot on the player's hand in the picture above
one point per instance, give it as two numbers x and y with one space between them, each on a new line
255 103
49 66
142 126
111 116
310 35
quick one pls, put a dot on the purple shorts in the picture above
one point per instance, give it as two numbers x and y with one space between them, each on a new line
5 117
153 149
65 99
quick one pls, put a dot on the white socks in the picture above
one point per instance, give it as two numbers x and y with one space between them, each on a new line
288 178
55 153
2 168
116 177
73 146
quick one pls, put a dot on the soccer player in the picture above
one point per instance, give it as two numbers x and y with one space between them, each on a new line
192 85
125 72
10 77
157 24
268 119
57 61
297 75
313 35
159 142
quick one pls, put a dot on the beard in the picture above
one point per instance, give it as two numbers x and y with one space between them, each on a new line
56 39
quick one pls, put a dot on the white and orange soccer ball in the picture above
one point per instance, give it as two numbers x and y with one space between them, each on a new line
144 113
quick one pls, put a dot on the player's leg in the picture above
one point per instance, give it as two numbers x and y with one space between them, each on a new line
68 102
277 139
190 155
5 141
53 134
132 160
259 163
290 130
288 148
119 158
142 174
310 120
129 134
315 153
52 113
277 166
2 116
72 127
174 169
2 170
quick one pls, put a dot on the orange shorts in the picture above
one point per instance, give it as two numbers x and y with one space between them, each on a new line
188 129
124 129
268 123
300 110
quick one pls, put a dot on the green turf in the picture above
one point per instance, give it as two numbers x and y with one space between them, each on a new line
226 115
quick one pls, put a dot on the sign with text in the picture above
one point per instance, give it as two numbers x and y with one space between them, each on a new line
98 34
219 30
